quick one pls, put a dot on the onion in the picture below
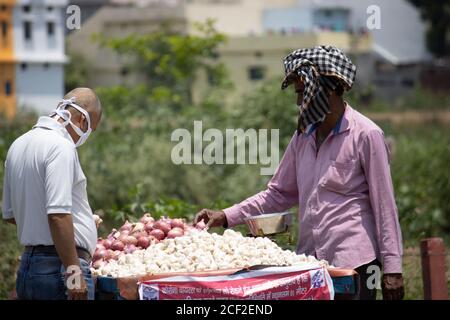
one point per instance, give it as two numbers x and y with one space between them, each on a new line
100 247
175 232
100 254
107 243
139 226
139 234
128 240
98 264
125 232
152 239
162 225
109 254
130 248
147 218
115 255
149 227
177 223
126 226
118 245
201 225
158 234
111 235
143 242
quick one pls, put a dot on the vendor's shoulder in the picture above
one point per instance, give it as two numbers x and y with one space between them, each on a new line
365 125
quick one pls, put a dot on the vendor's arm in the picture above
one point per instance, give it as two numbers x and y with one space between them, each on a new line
375 161
281 192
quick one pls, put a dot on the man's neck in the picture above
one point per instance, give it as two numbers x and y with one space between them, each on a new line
337 108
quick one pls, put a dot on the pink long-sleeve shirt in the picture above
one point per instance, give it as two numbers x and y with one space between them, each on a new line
347 211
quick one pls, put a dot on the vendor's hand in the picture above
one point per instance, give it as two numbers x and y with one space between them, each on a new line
392 286
211 218
97 220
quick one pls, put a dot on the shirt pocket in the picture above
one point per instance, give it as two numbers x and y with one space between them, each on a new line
338 177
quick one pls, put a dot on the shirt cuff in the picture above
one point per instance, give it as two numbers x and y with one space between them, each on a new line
8 214
392 264
234 216
61 209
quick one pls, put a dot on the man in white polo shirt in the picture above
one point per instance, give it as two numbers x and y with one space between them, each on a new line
44 194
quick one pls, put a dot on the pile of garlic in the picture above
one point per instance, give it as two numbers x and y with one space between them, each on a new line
202 251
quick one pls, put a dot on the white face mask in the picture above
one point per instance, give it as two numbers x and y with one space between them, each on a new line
62 113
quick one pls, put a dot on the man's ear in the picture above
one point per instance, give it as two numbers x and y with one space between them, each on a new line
83 123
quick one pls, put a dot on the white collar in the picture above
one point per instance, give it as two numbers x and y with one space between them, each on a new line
53 124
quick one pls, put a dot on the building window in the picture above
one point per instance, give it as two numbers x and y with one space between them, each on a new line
27 30
408 83
23 66
26 8
215 55
8 89
256 73
213 80
327 13
50 28
124 71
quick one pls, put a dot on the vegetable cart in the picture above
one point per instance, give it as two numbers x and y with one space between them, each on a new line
344 284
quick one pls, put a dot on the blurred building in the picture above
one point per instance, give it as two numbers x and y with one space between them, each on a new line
32 57
253 60
262 32
251 55
392 69
7 59
233 17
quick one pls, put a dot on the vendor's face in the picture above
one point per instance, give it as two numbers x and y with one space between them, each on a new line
299 87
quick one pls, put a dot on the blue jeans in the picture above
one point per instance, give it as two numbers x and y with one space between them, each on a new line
41 277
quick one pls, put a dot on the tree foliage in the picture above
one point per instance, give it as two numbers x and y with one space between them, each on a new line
170 61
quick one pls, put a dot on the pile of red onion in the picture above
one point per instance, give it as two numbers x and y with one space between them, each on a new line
139 235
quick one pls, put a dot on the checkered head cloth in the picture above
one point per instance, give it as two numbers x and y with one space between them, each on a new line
321 69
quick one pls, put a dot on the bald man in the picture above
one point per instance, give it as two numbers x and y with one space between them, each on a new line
44 194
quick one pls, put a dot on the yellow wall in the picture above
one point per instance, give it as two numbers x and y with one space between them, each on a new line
7 60
7 102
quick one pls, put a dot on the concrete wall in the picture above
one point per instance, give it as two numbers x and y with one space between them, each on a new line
292 19
233 17
39 87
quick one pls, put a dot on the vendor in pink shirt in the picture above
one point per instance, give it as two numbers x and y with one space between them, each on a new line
336 169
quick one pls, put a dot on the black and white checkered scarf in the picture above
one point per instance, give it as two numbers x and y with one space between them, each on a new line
321 69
